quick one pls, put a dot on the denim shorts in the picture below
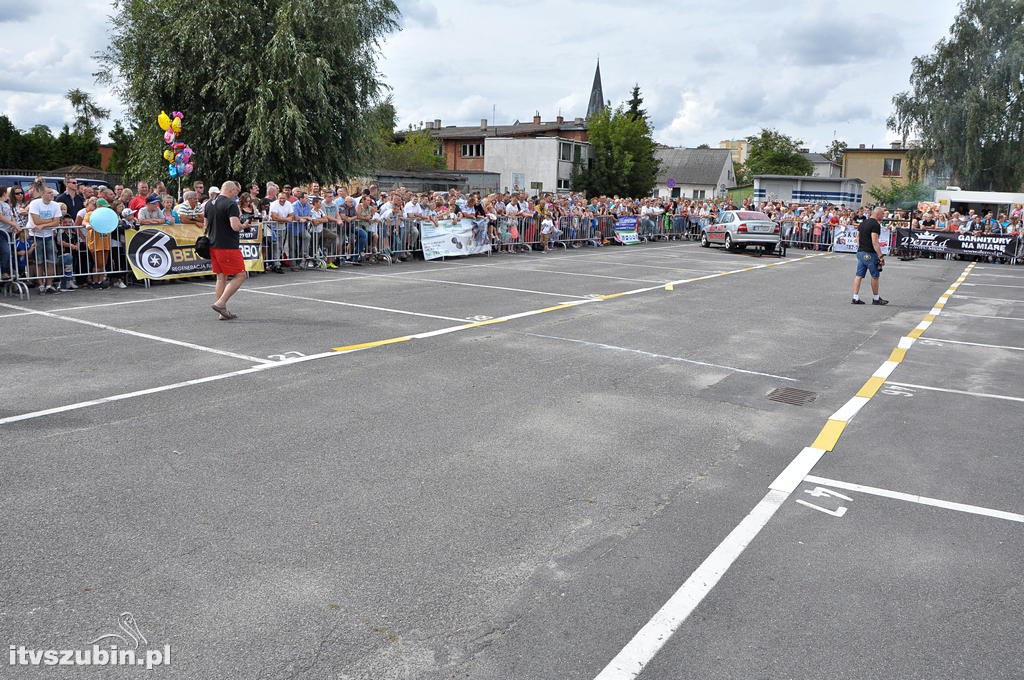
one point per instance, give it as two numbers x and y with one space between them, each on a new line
46 250
867 262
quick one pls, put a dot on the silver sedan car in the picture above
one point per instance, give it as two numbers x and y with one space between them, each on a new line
737 229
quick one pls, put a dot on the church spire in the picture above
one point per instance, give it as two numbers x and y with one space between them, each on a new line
596 93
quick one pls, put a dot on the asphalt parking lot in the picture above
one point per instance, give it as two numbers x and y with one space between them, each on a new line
560 465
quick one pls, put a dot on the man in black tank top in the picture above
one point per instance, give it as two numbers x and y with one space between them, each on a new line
869 256
223 224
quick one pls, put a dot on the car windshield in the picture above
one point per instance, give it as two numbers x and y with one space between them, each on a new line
746 215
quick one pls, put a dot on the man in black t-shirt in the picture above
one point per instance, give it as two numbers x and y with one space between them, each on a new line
869 256
223 224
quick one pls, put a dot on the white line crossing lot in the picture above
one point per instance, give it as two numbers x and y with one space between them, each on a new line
979 297
987 316
929 388
912 498
933 341
137 334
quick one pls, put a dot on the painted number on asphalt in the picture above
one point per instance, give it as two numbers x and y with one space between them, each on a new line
286 355
821 492
480 317
897 391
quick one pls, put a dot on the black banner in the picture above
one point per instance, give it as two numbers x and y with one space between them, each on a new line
925 240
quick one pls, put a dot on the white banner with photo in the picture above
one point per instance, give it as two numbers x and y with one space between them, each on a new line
846 240
450 239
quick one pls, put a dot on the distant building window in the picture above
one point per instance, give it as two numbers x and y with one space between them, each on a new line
563 185
565 151
439 150
698 194
893 167
675 192
472 150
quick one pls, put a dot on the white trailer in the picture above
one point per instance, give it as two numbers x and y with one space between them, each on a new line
952 200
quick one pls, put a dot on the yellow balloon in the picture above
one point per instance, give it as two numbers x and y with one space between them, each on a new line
168 156
176 125
164 121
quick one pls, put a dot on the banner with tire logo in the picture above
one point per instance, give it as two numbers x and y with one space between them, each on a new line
169 252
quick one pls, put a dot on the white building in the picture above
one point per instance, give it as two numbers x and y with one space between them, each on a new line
694 173
534 165
848 191
823 167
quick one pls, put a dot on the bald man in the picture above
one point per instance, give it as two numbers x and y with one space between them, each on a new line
869 256
223 221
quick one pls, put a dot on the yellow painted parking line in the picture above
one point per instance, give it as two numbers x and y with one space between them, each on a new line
929 317
829 435
871 387
898 355
367 345
916 333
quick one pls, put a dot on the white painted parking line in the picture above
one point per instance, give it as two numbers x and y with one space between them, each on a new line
850 409
599 345
137 334
563 273
998 276
912 498
992 285
929 388
979 297
971 344
254 291
513 290
885 370
797 470
986 316
639 651
653 266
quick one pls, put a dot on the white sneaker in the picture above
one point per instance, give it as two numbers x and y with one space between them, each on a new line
72 285
120 284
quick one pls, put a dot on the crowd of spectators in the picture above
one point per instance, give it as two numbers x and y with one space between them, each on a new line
47 237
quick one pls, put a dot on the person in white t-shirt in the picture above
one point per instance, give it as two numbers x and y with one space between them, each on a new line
317 219
280 214
43 215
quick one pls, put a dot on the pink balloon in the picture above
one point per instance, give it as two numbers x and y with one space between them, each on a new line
188 168
169 137
177 114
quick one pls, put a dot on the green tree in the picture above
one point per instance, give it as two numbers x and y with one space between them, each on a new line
622 159
964 106
270 88
743 176
900 195
835 151
416 150
11 147
635 100
89 116
121 139
773 153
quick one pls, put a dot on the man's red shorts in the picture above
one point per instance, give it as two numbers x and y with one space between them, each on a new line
227 261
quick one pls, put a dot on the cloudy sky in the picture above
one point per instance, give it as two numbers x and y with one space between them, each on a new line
813 69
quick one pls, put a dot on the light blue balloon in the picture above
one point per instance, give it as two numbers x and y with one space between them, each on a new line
103 220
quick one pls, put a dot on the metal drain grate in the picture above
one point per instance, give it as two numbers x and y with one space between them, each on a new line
792 395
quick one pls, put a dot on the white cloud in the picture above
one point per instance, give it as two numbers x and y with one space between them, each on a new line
809 69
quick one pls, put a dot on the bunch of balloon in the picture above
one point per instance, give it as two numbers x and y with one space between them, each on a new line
177 155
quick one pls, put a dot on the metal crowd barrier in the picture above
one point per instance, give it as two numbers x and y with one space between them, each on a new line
69 259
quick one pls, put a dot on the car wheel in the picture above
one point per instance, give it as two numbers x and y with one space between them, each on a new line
729 244
704 242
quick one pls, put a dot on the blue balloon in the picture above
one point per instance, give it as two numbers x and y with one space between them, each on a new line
103 220
172 170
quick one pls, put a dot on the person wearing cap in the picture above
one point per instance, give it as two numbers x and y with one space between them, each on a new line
97 244
151 214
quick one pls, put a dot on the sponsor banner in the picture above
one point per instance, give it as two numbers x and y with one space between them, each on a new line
448 238
925 240
845 239
169 252
625 231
